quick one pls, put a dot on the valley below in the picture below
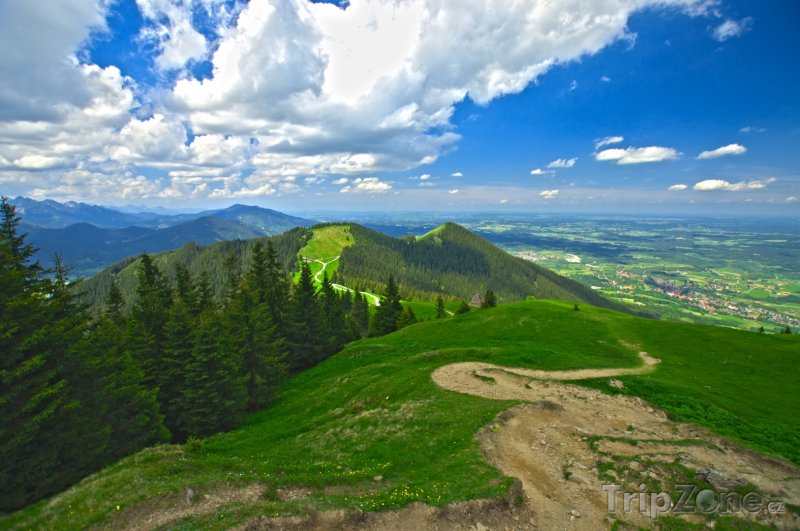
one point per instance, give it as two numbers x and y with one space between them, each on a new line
736 272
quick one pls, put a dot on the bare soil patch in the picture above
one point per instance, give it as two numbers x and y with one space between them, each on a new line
568 441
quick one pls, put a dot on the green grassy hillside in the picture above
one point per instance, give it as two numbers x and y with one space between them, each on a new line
449 260
324 247
453 261
372 410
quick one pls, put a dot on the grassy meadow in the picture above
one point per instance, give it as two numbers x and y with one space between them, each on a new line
368 428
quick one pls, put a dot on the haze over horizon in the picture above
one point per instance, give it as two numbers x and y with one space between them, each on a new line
663 106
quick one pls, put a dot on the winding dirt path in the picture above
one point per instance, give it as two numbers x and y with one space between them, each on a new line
324 266
375 299
461 377
567 441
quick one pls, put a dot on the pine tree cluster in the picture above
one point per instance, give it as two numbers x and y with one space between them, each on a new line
179 360
77 393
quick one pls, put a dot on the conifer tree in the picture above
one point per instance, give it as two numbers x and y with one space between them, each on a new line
257 276
304 327
204 300
177 354
213 397
359 315
119 400
277 287
347 301
407 318
184 287
148 318
40 414
332 316
115 304
68 322
384 321
254 339
489 299
441 313
233 273
463 308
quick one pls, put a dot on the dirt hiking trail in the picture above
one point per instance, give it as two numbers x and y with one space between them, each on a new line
569 441
562 445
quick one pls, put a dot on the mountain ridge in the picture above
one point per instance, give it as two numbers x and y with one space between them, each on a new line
55 215
455 264
454 261
86 248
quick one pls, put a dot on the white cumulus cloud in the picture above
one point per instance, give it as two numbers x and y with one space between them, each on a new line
367 185
712 185
171 32
294 87
731 28
563 163
539 171
549 194
730 149
607 141
677 187
156 138
637 155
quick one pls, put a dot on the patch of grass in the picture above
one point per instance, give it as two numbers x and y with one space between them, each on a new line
327 242
373 410
484 378
426 311
724 523
194 445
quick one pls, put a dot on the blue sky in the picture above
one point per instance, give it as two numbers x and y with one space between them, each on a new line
683 106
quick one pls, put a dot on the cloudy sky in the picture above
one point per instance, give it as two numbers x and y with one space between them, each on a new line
538 105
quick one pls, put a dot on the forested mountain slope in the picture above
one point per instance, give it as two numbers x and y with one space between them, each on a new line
455 262
450 261
198 260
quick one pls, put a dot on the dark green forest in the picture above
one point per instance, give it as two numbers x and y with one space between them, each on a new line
211 260
184 344
175 357
451 262
455 263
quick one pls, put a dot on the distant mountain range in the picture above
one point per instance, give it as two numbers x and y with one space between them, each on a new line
54 215
91 237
